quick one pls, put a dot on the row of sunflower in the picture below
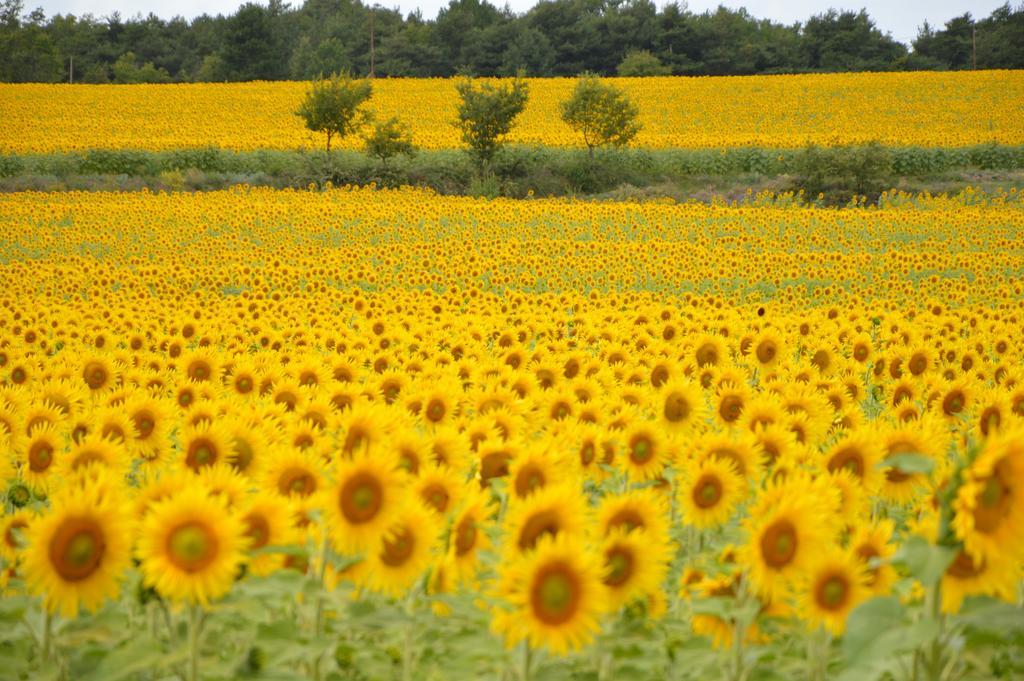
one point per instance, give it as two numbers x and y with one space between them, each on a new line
779 111
198 404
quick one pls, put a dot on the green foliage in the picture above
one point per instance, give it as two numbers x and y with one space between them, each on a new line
602 113
642 63
126 70
332 105
486 114
388 139
838 175
121 162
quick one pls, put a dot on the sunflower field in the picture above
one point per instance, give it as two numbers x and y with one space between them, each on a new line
938 110
362 434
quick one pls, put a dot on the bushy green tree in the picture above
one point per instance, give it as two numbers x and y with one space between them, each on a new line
126 70
486 114
332 105
388 139
642 63
601 112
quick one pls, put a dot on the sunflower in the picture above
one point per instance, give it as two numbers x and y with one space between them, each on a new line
730 401
41 450
786 528
555 595
205 444
639 509
549 511
266 522
834 585
871 543
919 437
709 491
635 565
645 451
293 472
739 447
767 348
12 534
224 482
680 405
468 535
365 427
989 505
94 452
366 497
858 452
535 468
404 552
151 420
78 551
190 546
998 576
439 488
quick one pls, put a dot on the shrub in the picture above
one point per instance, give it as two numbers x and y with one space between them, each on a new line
642 63
332 105
486 114
602 113
388 139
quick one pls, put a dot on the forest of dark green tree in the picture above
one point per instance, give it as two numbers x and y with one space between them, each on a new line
554 38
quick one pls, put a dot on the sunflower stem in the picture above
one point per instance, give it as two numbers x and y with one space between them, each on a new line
933 658
318 622
195 626
408 648
525 672
47 635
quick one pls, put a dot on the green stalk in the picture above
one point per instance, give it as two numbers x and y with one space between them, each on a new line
318 622
195 626
47 635
525 671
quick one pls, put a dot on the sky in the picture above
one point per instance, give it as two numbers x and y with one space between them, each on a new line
900 18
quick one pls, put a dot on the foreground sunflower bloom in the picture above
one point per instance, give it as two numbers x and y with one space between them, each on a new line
78 551
191 546
555 594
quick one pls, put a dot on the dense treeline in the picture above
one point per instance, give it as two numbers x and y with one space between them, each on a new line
554 38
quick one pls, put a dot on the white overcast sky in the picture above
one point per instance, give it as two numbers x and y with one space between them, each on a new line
901 18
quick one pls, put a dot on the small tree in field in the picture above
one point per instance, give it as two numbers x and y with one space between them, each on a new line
602 113
486 114
332 105
388 139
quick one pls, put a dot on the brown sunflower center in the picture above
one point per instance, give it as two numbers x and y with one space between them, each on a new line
779 544
641 449
832 592
435 410
144 424
465 536
867 552
588 453
529 478
437 496
707 492
848 458
537 525
398 548
296 480
964 567
77 548
619 563
258 530
953 403
766 351
730 408
993 505
362 497
627 518
40 456
677 407
555 594
191 546
95 375
201 452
